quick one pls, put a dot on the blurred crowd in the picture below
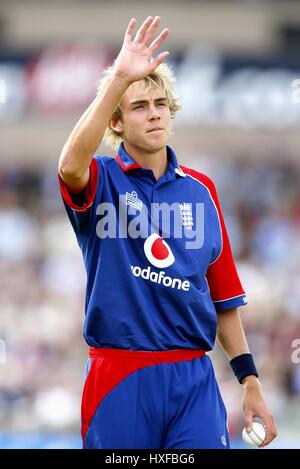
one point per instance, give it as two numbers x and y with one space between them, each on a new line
42 282
237 71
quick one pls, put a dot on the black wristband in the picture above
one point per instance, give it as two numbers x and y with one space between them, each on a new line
243 365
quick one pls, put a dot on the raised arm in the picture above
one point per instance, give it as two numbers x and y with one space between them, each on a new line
134 62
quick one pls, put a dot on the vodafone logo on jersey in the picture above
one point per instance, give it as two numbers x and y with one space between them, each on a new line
158 252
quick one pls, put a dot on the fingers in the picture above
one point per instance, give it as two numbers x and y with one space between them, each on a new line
271 429
140 35
248 421
159 40
151 30
159 59
146 32
130 28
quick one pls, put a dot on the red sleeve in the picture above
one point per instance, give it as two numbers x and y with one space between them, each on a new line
225 287
88 195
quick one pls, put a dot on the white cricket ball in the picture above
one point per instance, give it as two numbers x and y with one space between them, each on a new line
256 436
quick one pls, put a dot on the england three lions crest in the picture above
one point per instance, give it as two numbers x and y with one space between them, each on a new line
186 215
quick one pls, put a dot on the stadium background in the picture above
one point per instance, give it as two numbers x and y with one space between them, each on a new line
235 63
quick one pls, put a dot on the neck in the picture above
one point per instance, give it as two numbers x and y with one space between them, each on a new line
156 161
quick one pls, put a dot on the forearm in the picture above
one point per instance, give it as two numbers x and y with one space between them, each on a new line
230 333
134 62
89 131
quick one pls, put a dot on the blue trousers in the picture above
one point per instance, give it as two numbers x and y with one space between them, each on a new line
135 399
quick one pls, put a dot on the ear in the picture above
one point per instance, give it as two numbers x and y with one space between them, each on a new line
116 124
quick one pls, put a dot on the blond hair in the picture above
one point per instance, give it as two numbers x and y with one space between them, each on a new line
162 77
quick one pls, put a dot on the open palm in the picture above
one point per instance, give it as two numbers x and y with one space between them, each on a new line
135 59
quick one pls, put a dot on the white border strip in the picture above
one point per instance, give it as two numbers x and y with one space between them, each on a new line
232 298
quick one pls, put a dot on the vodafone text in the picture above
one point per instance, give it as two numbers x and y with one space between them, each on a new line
160 278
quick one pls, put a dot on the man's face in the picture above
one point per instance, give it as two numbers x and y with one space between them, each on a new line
146 120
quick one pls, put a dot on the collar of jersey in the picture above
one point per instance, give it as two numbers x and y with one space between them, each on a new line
127 163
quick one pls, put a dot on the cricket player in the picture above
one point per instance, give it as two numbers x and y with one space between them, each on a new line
161 280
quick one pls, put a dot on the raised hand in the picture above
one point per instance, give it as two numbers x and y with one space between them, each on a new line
135 59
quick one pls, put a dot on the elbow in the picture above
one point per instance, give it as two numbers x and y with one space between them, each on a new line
65 170
68 166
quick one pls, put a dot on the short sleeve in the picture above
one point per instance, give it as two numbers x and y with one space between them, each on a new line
79 207
222 277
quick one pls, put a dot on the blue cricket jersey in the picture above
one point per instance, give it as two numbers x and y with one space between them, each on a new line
157 256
